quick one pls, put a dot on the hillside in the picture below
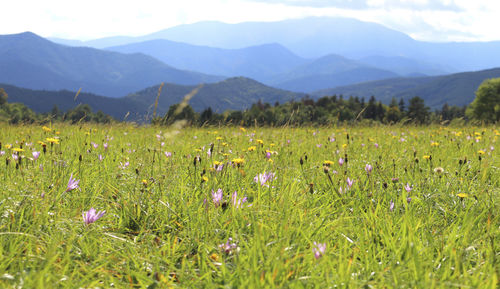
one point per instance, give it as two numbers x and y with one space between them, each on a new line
257 62
30 61
234 93
44 101
454 89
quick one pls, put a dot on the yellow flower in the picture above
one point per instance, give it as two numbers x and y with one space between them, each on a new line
8 146
344 145
52 140
462 195
224 144
481 152
259 141
47 129
477 133
252 148
217 163
144 182
328 163
218 138
18 150
271 145
58 133
41 143
242 128
238 161
204 179
214 257
434 144
427 157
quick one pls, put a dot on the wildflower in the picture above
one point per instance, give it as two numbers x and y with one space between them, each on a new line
319 249
481 152
229 247
349 182
391 206
408 200
168 154
368 168
15 157
18 150
427 157
395 180
327 163
217 197
124 165
259 141
91 216
462 195
252 148
35 155
2 153
434 144
408 188
319 145
52 140
268 154
47 129
238 203
341 161
101 158
264 178
72 184
105 145
238 161
94 145
376 145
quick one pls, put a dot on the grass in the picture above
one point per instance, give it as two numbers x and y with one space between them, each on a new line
162 228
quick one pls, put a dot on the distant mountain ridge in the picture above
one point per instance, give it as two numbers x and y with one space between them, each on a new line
30 61
454 89
319 36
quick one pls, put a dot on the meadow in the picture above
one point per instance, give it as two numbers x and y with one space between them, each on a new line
121 206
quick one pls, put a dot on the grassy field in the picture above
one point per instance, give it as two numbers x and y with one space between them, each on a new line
378 207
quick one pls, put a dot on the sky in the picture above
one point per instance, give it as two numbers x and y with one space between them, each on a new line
426 20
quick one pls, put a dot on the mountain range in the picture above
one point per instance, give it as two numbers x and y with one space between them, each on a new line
30 61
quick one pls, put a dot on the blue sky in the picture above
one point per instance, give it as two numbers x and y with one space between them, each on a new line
428 20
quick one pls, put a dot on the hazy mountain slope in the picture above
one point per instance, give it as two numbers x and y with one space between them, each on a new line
233 93
43 101
257 62
28 60
454 89
404 66
328 71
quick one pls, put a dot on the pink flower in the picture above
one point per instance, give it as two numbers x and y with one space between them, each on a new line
264 178
376 145
35 155
408 188
72 184
91 216
341 161
368 168
319 249
101 157
217 197
349 182
168 154
238 203
229 247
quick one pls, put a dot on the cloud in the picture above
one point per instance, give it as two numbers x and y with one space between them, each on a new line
449 5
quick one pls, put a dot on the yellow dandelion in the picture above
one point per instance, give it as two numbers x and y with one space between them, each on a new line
328 163
204 179
242 129
47 129
218 138
238 161
434 144
8 146
214 257
344 145
259 141
18 150
481 152
217 163
224 144
52 140
462 195
252 148
427 157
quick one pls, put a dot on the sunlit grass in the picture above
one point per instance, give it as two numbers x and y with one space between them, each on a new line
426 216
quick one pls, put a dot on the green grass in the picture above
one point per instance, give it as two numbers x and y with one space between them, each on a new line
161 228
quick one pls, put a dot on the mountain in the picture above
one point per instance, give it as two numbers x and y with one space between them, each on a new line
237 93
405 66
454 89
44 101
328 71
233 93
257 62
30 61
319 36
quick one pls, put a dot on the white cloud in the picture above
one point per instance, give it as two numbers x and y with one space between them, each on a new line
434 20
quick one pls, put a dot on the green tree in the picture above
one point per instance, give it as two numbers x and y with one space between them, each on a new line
486 105
417 110
3 97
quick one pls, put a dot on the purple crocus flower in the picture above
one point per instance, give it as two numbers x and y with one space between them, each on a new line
238 203
101 157
105 145
2 153
268 155
376 145
217 197
341 161
15 157
72 184
391 206
168 154
319 249
91 216
408 188
35 155
264 178
408 200
229 246
368 168
349 182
